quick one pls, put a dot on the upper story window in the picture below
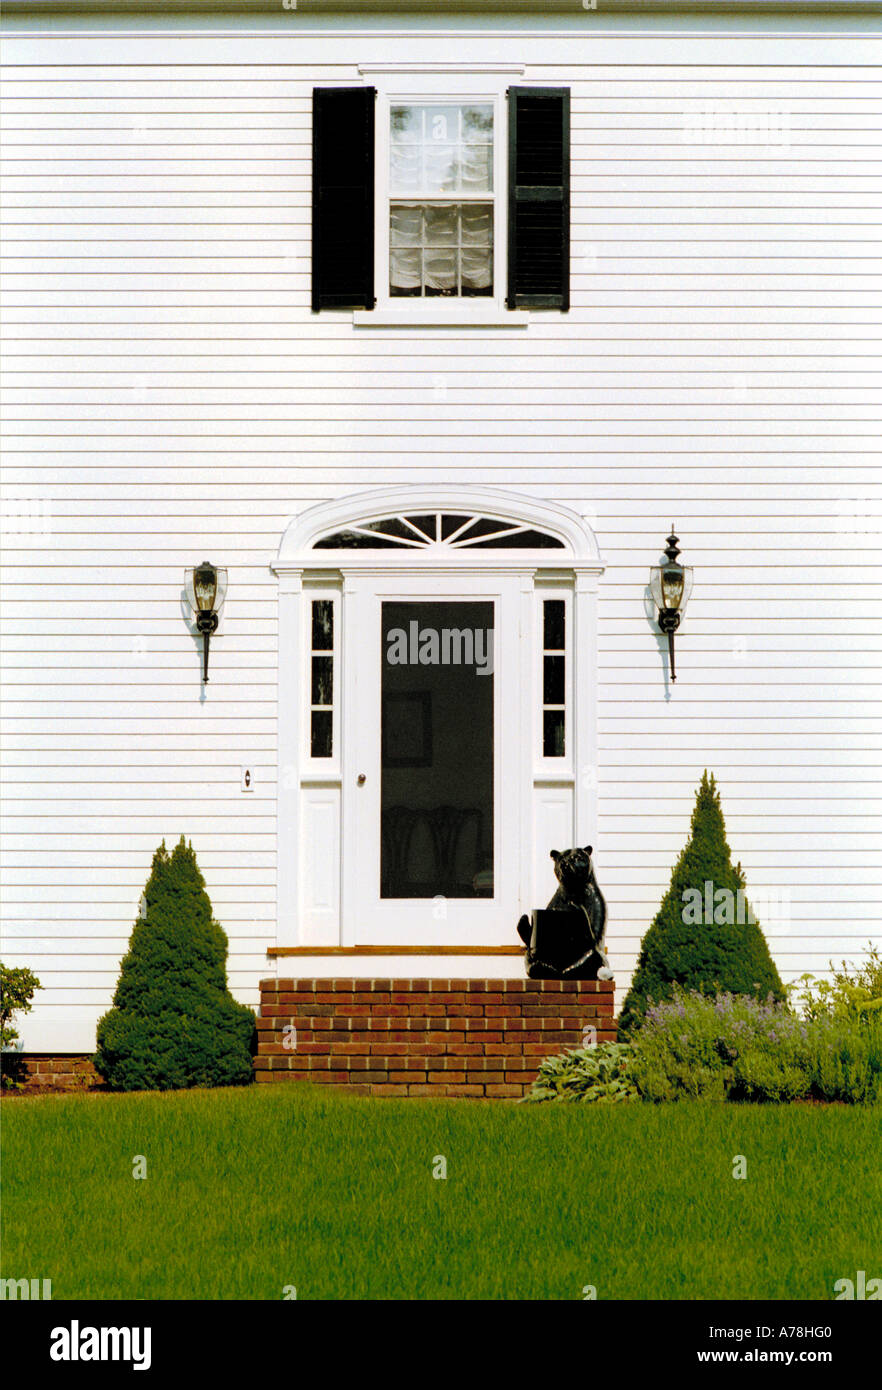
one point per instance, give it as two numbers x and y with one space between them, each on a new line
441 199
422 193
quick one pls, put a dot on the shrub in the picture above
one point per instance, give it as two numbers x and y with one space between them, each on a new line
853 993
174 1022
846 1058
586 1074
17 988
737 1048
720 956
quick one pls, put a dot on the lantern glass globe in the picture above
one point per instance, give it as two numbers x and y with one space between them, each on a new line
671 586
206 587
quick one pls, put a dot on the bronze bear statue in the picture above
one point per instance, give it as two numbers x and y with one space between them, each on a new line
574 947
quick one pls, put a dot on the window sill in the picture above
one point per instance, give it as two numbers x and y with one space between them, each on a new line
448 316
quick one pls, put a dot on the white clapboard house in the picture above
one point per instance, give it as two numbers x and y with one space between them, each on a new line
424 323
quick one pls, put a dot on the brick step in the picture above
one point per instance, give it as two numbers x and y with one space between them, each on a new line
401 1037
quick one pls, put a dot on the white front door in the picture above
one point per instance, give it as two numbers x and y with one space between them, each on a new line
434 775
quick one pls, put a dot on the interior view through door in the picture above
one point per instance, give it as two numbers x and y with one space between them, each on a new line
437 750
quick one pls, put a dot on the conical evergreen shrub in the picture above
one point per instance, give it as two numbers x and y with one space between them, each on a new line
174 1022
682 946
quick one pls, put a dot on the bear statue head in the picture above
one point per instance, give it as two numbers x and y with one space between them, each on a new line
574 871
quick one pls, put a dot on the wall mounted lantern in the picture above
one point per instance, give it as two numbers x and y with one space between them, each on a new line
206 587
671 585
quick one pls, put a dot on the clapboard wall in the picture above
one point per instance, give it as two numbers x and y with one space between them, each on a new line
169 396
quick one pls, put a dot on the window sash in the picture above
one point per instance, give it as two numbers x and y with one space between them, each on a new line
546 709
321 660
407 92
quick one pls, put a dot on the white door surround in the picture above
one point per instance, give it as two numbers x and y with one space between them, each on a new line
328 891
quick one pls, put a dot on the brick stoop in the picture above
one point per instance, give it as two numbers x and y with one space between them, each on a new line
404 1037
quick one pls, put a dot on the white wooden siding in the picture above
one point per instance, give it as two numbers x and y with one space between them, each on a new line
169 396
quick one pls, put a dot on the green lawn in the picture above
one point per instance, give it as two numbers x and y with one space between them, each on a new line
251 1190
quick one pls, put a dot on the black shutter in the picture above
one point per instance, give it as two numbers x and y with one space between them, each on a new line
343 197
538 198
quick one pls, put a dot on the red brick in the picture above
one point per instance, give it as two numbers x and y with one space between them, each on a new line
451 1078
504 1089
384 1089
484 1078
465 1090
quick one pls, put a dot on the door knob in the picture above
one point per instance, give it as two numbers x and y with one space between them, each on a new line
361 779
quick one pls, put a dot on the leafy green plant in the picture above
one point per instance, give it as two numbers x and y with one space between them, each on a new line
174 1022
723 955
18 986
734 1047
586 1074
854 991
846 1058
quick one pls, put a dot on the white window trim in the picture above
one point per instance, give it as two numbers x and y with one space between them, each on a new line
553 769
321 769
443 83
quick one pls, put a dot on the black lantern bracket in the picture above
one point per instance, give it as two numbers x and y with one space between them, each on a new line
206 623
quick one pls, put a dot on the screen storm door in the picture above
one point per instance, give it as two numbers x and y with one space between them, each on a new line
435 848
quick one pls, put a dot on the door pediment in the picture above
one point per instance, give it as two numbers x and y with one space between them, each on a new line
425 525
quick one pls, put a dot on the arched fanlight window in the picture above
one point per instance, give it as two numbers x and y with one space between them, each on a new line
456 531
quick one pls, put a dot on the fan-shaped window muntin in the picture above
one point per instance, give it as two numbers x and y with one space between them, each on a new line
447 530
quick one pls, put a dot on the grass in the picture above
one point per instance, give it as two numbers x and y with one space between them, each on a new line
251 1190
